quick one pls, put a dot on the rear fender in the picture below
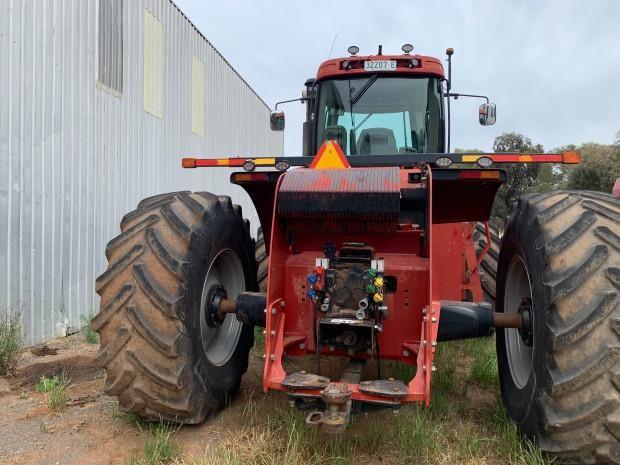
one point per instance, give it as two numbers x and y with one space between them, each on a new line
261 187
464 195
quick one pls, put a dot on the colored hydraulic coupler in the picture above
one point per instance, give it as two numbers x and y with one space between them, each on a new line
315 281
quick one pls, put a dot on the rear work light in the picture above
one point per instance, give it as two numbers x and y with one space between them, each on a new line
240 177
484 162
249 165
282 165
479 174
443 162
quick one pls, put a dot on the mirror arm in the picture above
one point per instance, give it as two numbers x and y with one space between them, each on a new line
302 99
456 96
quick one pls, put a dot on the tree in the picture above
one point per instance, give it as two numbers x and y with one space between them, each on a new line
521 176
549 177
599 168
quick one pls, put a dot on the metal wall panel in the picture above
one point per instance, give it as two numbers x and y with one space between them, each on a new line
75 156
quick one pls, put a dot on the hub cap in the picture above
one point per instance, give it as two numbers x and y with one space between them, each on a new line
220 343
520 355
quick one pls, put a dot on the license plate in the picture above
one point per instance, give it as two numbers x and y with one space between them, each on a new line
380 65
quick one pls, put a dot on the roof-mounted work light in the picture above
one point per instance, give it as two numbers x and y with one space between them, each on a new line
407 48
353 50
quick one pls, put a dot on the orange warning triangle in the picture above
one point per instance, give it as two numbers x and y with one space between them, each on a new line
329 157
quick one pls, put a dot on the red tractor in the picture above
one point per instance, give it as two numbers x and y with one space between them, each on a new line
373 251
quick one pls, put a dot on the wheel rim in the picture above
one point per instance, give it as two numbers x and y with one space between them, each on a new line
520 355
220 343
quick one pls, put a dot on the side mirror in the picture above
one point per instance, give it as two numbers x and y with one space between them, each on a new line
486 114
276 121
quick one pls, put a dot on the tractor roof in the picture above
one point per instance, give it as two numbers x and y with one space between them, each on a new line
405 65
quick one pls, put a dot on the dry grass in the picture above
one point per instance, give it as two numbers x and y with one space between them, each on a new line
455 430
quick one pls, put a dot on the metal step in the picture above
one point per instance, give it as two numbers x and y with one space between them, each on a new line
303 380
384 387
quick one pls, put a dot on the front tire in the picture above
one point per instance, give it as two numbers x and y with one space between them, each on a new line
160 358
561 250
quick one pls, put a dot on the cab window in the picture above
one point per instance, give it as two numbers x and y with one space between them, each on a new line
381 115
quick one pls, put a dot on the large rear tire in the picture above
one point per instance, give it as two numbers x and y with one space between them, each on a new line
488 266
562 250
160 357
262 261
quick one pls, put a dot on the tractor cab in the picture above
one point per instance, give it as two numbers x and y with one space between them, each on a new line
378 105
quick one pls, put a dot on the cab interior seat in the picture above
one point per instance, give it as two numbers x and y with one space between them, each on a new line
377 141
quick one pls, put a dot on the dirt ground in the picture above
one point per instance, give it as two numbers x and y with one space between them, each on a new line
91 430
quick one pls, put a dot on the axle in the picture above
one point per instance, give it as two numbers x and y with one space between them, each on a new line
465 320
248 307
458 320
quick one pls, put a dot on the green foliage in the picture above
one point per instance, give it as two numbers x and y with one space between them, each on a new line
469 444
521 176
90 335
514 448
549 177
444 382
403 372
259 341
598 170
484 364
46 384
416 436
158 449
11 342
56 390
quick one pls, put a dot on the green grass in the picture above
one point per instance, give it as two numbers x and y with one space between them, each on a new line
451 431
46 384
415 439
259 341
55 389
444 383
11 341
513 448
282 438
403 372
90 335
484 360
159 449
469 443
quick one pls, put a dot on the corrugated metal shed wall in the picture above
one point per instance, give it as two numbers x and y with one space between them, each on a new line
75 157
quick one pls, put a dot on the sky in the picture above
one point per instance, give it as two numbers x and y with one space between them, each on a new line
552 67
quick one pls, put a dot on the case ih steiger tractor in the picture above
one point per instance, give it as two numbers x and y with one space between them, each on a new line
376 247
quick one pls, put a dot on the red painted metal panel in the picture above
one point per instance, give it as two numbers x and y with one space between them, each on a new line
430 264
355 193
427 66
